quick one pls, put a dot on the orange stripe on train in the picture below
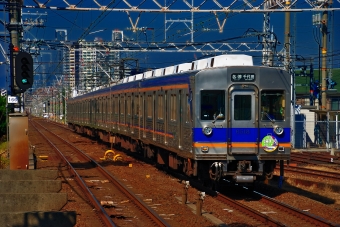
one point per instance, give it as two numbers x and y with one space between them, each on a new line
236 145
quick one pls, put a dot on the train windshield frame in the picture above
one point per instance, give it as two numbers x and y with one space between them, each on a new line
272 105
212 104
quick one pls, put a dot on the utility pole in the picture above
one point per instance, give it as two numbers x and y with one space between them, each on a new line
14 28
20 67
287 40
324 60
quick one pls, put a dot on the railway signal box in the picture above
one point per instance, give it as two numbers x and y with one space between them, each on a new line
18 141
24 71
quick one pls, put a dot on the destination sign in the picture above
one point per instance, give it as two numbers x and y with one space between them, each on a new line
243 77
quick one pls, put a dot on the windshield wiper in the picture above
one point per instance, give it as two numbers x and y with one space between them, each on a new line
271 119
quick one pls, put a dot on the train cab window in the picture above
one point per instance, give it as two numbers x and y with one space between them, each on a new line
212 104
272 105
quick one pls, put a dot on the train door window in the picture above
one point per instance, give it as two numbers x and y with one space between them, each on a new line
106 108
160 107
110 105
173 107
86 110
186 109
242 107
272 105
116 105
102 109
149 106
136 107
128 105
91 110
122 105
212 104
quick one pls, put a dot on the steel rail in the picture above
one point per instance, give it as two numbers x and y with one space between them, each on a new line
102 213
140 204
314 219
249 211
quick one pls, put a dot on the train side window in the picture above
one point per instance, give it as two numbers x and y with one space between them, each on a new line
242 107
272 105
212 104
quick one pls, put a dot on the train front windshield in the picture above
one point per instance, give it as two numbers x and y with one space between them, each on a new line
272 105
212 104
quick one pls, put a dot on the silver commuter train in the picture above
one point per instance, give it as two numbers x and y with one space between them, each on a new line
214 118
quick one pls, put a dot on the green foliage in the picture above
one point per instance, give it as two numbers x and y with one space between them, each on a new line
3 119
299 80
4 160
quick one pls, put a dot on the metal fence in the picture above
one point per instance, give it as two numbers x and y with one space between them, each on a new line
316 134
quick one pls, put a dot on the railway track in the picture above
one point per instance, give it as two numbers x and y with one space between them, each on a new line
311 173
316 159
264 210
269 211
274 214
276 207
110 198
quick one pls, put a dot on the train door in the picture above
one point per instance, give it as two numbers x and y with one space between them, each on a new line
180 122
149 117
139 113
119 112
166 117
128 113
144 115
154 116
91 109
243 136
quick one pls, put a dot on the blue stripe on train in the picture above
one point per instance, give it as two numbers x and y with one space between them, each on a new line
239 135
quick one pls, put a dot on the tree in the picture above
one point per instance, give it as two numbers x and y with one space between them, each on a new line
3 120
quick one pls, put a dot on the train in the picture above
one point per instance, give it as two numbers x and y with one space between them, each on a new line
217 118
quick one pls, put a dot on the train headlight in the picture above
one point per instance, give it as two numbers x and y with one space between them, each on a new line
207 130
205 149
278 130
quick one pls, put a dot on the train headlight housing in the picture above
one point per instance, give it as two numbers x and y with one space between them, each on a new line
207 130
278 130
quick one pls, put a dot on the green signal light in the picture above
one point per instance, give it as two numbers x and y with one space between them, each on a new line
24 81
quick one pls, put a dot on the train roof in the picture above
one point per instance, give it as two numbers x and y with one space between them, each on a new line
212 62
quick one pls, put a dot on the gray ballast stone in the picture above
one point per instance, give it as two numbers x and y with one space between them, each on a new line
30 186
41 219
32 202
23 174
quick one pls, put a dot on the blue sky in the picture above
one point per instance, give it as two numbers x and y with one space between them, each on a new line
80 24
